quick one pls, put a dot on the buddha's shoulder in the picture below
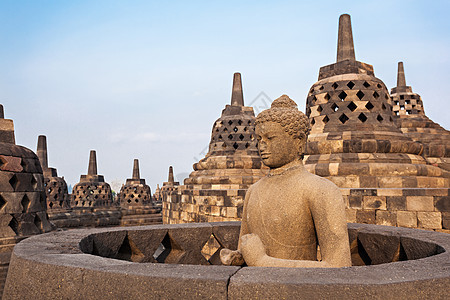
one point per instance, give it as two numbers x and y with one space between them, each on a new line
314 182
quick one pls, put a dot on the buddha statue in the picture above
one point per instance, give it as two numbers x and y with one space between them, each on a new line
290 211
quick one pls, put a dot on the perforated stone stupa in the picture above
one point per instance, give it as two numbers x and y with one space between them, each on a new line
135 198
135 191
55 187
92 190
356 143
22 195
410 115
168 187
215 190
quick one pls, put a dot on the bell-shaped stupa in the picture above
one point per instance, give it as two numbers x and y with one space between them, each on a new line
135 192
22 195
215 190
92 190
356 143
55 187
408 109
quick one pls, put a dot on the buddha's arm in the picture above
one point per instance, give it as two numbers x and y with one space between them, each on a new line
234 257
244 226
254 253
328 212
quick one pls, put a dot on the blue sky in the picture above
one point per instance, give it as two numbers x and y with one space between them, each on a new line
143 79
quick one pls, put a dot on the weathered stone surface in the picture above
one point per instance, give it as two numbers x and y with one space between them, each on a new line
429 220
92 190
407 219
69 273
289 204
231 164
356 142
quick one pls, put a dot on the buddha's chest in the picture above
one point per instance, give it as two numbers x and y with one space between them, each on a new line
277 211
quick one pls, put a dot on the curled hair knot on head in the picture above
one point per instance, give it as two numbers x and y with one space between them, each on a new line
284 112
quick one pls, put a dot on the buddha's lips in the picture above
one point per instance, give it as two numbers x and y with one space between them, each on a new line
265 155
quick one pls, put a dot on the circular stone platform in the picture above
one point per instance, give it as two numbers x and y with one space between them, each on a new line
121 263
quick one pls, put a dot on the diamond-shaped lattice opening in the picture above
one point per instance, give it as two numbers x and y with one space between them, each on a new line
13 182
334 107
313 121
25 203
319 108
342 96
14 225
351 84
369 105
360 95
362 117
376 95
247 145
38 222
366 84
390 118
343 118
50 204
327 97
168 251
210 248
383 106
335 85
321 87
379 118
241 137
379 86
240 122
2 202
129 251
235 129
386 96
325 120
230 122
230 137
33 182
220 138
352 106
235 145
314 99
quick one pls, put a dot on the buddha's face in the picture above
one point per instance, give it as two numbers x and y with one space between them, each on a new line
276 146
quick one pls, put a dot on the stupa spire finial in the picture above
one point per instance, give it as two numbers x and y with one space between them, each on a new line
92 169
42 151
345 48
171 179
401 81
136 169
237 97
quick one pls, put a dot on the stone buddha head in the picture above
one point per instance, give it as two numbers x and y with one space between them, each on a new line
282 132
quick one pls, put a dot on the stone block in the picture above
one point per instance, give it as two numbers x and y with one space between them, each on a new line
351 215
395 203
365 216
381 248
388 218
407 219
374 202
429 220
355 201
442 204
390 192
420 203
446 220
